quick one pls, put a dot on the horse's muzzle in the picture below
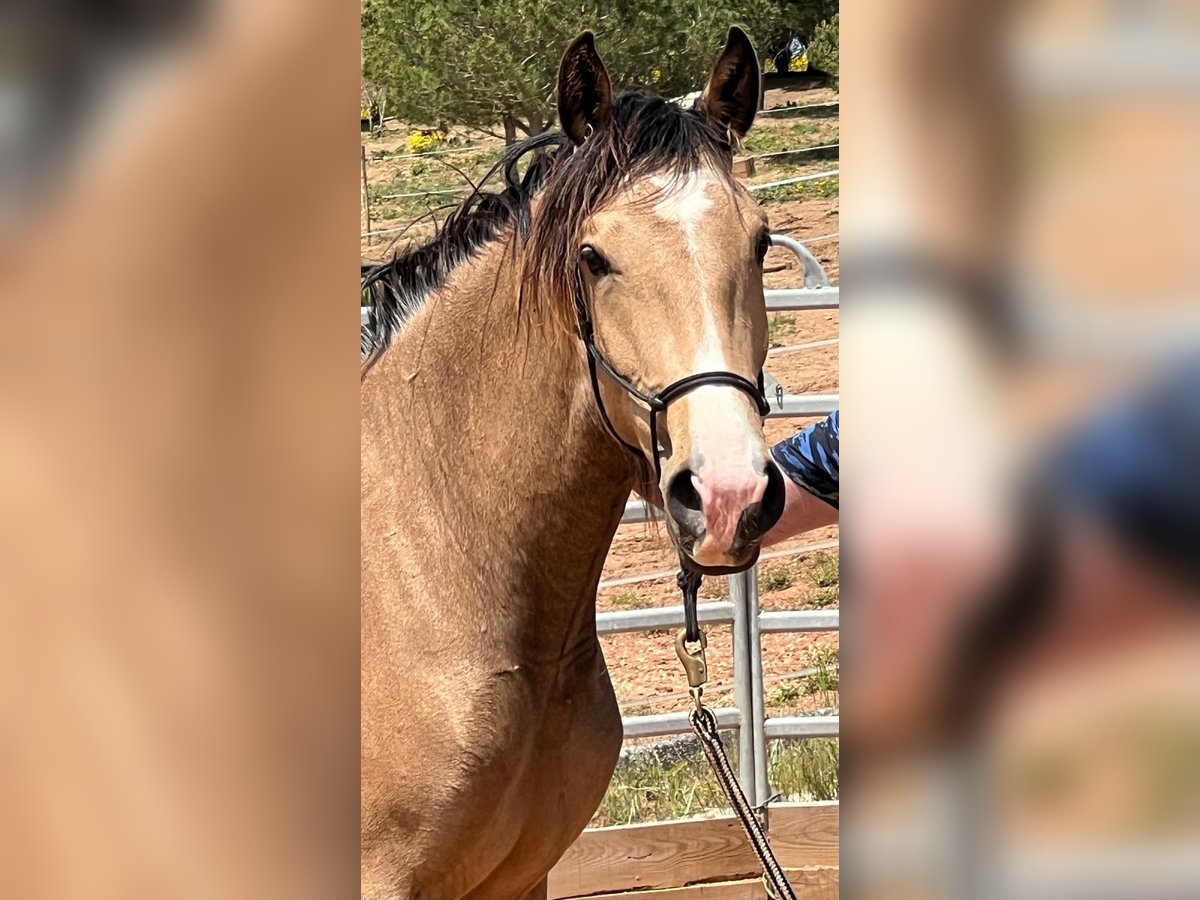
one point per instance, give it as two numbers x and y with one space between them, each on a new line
711 546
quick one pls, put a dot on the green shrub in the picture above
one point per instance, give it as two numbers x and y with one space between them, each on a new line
823 570
823 50
646 789
824 598
787 693
774 579
778 323
823 657
626 600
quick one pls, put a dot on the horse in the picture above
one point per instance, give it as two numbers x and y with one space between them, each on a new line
595 325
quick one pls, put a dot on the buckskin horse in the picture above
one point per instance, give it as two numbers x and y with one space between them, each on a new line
595 325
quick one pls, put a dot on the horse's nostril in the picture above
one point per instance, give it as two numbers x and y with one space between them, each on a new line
684 505
774 497
682 493
761 517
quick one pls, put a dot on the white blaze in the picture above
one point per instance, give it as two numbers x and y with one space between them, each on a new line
725 438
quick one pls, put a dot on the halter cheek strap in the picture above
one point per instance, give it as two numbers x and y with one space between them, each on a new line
658 401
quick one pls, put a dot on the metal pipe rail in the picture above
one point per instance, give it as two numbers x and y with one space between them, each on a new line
803 406
799 620
814 275
667 724
817 150
826 297
802 727
800 179
661 618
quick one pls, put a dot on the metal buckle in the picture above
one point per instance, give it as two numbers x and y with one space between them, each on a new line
693 660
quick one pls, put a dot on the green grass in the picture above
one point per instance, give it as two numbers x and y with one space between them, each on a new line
778 323
646 790
628 600
823 655
822 682
775 579
823 570
822 187
402 150
824 598
768 139
825 681
805 770
786 694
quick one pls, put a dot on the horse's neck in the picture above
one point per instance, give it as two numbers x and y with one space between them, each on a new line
503 450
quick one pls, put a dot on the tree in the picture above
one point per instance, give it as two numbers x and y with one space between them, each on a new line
488 64
823 51
794 20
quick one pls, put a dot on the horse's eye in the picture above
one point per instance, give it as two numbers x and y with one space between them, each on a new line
764 244
596 263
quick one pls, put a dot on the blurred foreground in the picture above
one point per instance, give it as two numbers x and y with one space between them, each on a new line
1021 380
178 451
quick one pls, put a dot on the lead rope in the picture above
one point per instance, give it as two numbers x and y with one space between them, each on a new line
689 645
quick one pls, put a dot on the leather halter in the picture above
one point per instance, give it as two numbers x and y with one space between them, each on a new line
656 401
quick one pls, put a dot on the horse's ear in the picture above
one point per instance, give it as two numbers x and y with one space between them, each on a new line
584 91
730 99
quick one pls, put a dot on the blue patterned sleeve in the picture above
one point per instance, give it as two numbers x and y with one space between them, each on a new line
1135 466
810 459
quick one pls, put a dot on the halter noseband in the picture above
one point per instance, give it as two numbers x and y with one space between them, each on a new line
658 401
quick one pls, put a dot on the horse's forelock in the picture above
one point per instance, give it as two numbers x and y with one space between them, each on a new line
646 136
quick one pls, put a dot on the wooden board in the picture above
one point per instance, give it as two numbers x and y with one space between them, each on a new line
743 167
818 883
672 854
805 834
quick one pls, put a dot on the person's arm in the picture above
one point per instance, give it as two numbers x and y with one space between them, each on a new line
809 462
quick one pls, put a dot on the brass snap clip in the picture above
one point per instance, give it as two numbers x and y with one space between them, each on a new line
692 658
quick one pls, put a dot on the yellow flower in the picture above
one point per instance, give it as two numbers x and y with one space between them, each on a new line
425 140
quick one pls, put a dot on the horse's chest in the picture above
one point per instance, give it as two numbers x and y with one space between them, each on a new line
551 728
553 745
482 791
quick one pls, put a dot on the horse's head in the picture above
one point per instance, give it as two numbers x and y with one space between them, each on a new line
670 266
